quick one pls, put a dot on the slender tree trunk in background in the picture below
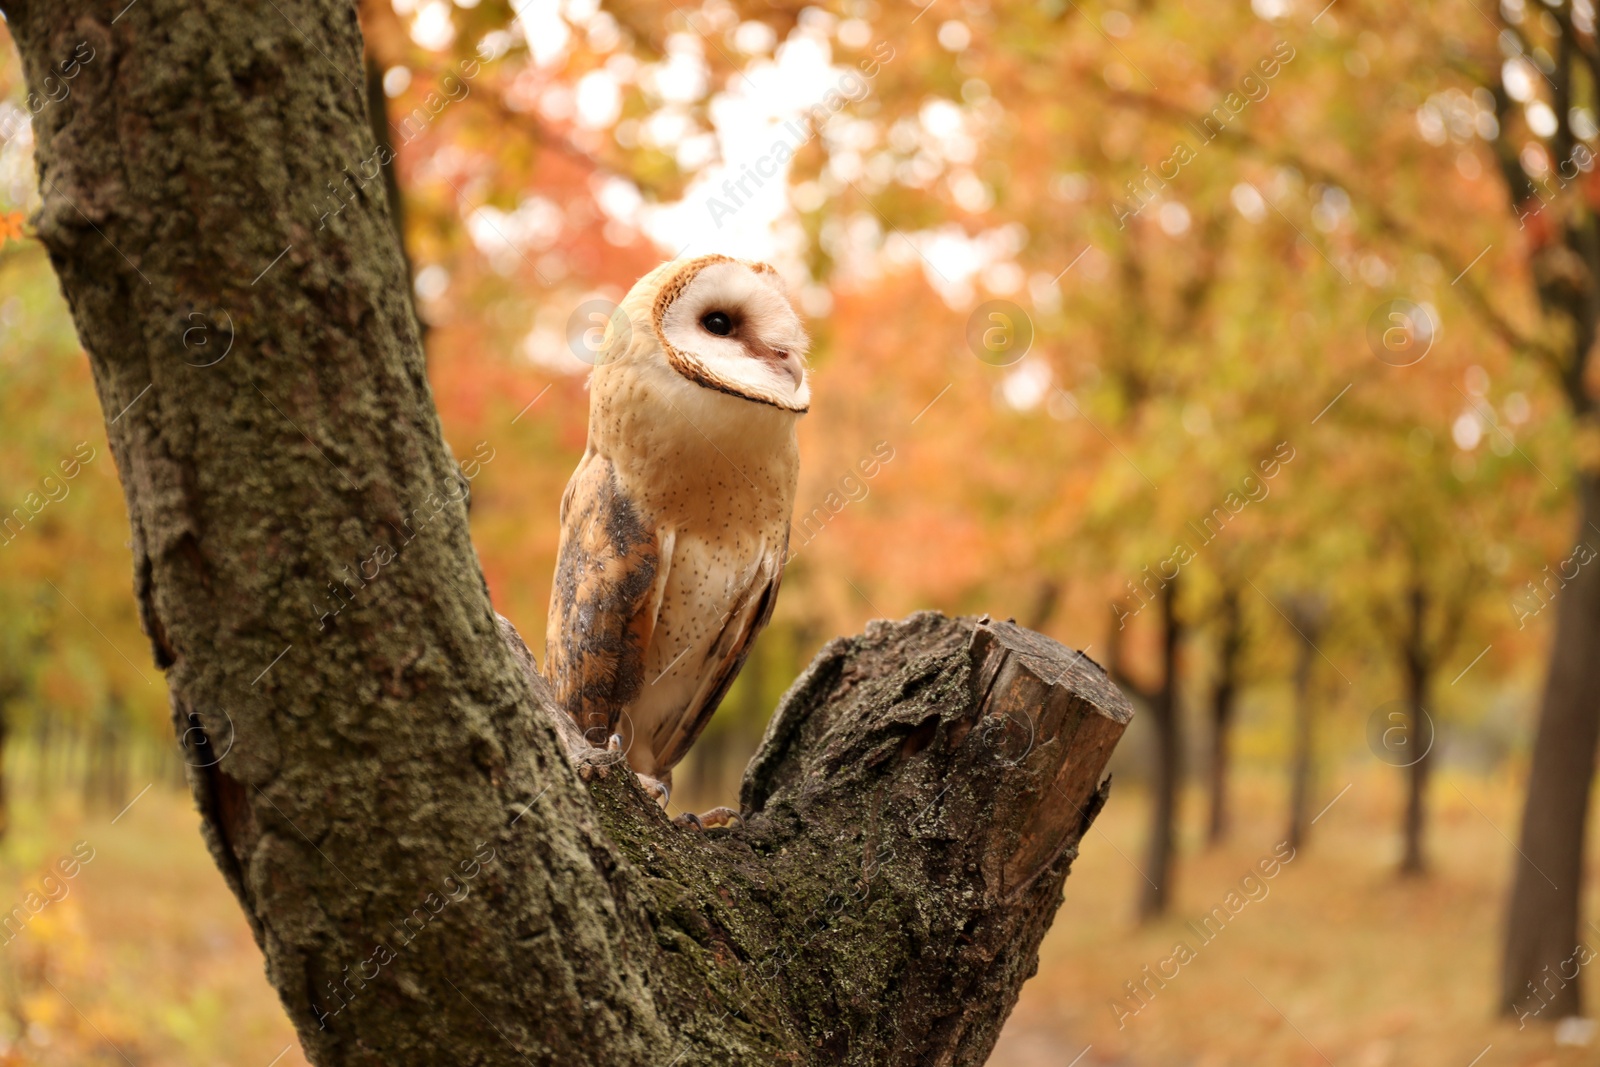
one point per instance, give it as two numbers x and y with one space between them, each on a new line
378 119
5 776
1223 695
1301 764
1155 893
50 761
74 754
1046 600
1414 860
71 761
105 765
14 685
87 792
1544 921
41 767
383 789
101 786
117 780
1418 671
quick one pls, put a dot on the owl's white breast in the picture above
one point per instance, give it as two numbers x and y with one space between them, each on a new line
715 474
698 458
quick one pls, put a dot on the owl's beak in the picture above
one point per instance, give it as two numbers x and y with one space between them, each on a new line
782 359
791 363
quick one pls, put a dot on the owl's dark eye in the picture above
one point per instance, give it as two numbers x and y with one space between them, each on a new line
718 322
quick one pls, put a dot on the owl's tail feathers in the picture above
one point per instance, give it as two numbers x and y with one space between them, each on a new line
587 759
595 761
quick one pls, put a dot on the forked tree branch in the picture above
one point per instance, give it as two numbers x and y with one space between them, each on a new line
377 777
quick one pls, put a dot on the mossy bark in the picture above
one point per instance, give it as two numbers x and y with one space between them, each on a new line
376 769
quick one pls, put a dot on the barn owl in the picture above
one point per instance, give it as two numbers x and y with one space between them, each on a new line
675 525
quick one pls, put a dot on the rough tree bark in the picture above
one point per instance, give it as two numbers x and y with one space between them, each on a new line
376 773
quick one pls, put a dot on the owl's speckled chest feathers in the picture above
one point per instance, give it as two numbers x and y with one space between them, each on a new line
715 475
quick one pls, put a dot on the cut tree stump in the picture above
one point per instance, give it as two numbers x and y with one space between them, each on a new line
909 822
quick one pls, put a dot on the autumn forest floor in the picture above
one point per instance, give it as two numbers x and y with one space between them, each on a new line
1335 961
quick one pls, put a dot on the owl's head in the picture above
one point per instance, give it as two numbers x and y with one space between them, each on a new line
727 324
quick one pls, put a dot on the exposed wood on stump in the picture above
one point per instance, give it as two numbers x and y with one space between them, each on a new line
910 819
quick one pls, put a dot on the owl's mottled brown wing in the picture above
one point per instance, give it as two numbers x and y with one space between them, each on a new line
610 574
745 621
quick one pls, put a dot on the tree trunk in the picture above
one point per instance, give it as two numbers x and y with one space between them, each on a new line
1418 670
44 733
1301 764
14 685
1223 694
1046 599
88 785
5 776
1155 893
101 785
376 768
1543 921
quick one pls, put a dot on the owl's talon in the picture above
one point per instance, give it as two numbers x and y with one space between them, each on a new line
715 819
615 744
655 789
721 819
